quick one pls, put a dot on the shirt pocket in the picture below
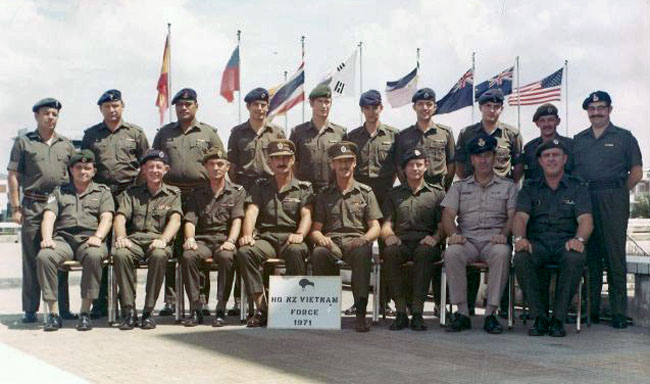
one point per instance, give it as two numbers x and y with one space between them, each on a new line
435 151
383 149
291 207
126 149
159 216
63 159
199 147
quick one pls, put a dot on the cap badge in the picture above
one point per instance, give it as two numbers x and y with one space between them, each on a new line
556 142
481 142
594 97
426 95
417 153
263 95
280 146
343 149
161 154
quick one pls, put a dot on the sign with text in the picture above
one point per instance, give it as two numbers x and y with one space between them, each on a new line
305 302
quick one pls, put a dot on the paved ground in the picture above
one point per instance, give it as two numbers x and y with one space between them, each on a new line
172 353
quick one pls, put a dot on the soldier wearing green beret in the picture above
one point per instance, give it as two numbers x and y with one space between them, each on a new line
313 138
76 221
37 164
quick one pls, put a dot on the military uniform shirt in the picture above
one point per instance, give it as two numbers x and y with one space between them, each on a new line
553 213
41 167
212 214
532 169
437 143
606 158
185 151
146 215
414 215
117 153
248 149
311 151
346 213
376 158
279 211
508 151
77 215
482 211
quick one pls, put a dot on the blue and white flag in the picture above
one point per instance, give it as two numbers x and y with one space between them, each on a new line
400 92
502 81
460 96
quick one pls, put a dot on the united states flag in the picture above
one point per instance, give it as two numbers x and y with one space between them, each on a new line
539 92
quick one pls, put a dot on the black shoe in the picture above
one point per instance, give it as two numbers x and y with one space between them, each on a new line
205 312
258 320
619 321
67 315
130 319
194 320
220 318
417 322
84 323
492 325
168 310
556 328
595 318
147 321
401 322
459 322
351 311
29 317
53 323
540 327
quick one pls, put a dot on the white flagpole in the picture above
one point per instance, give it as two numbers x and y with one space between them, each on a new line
518 100
566 97
286 114
239 92
360 78
473 84
169 75
302 42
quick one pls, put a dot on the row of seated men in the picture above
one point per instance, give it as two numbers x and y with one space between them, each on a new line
281 217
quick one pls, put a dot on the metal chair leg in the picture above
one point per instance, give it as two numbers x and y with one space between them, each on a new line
243 301
443 296
111 295
376 293
511 295
180 293
588 283
579 317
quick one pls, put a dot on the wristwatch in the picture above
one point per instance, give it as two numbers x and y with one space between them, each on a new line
517 238
580 239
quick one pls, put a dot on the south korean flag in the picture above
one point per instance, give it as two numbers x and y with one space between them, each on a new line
342 80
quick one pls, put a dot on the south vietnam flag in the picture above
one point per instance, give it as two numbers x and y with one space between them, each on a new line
162 101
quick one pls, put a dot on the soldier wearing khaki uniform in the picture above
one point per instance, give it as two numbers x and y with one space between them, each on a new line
37 163
76 221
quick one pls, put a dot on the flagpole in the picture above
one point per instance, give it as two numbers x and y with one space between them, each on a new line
360 78
566 97
169 75
239 91
518 99
473 83
286 114
302 42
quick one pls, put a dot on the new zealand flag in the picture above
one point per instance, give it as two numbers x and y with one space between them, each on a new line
460 96
502 81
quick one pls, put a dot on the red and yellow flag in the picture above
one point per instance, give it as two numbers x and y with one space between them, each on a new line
162 101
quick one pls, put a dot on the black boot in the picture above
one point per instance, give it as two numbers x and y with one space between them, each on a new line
401 322
417 322
147 321
361 325
129 320
540 327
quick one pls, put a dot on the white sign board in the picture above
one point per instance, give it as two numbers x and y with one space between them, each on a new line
305 302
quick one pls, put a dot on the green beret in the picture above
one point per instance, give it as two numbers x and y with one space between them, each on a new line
321 90
281 147
214 153
84 156
547 109
341 150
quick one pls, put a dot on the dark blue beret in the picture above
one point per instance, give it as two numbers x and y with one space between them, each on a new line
154 154
482 143
110 95
411 154
424 94
555 143
46 102
370 98
491 96
257 94
184 94
597 96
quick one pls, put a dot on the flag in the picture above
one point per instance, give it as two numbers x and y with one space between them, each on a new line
502 81
401 91
162 101
230 77
287 95
539 92
460 96
341 80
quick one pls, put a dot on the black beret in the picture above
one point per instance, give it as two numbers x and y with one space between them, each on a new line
597 96
47 102
491 96
110 95
547 109
184 94
257 94
482 143
555 143
342 150
370 98
154 154
411 154
321 90
84 156
214 153
281 147
424 94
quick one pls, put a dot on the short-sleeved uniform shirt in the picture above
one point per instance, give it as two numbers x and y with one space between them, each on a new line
185 151
279 210
414 214
607 158
78 215
553 213
311 151
117 153
437 143
147 215
508 151
532 169
482 211
346 214
212 215
248 149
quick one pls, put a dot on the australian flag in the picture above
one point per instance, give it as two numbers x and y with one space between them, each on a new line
502 81
460 96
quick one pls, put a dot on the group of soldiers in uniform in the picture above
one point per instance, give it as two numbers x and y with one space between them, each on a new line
323 196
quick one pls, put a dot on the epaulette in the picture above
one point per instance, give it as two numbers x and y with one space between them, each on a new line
364 187
237 127
445 127
390 128
578 179
102 186
506 179
334 125
173 188
237 187
306 184
582 133
464 179
205 125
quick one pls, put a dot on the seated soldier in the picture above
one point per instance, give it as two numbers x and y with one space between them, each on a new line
148 217
485 205
79 214
212 222
279 209
346 222
552 222
412 231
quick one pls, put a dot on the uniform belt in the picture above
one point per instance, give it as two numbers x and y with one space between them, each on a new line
36 196
605 184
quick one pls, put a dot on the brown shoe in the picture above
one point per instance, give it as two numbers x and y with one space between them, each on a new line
361 325
258 320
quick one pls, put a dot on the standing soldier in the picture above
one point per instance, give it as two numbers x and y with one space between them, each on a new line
185 142
37 163
313 138
117 145
608 158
